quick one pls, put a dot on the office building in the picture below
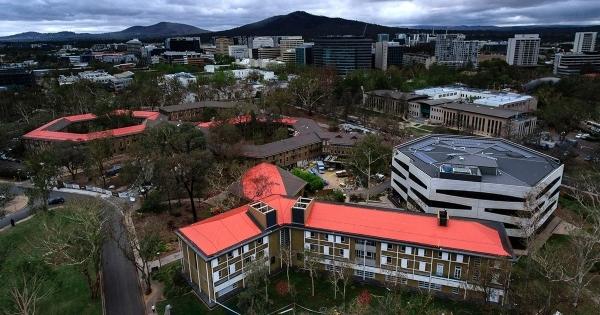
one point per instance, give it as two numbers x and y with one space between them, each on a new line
454 257
183 44
387 54
389 102
238 51
454 51
222 44
16 77
411 59
290 42
184 58
304 54
134 47
263 41
576 63
585 42
482 178
289 56
383 37
266 53
343 53
499 99
523 50
419 39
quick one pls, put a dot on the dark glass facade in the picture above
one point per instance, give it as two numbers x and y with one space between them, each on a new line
344 53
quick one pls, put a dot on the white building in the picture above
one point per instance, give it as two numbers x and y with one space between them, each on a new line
263 41
574 63
499 99
454 51
238 51
184 78
290 42
585 42
382 53
243 74
483 178
523 50
134 47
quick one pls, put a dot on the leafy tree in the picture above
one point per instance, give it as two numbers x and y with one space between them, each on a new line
71 156
314 182
99 154
43 169
252 299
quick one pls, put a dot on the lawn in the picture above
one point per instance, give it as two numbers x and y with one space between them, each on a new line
183 301
68 292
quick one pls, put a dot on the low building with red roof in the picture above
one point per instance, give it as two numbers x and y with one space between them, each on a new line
457 257
266 179
55 130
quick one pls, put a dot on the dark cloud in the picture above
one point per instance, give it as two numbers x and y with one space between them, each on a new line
109 15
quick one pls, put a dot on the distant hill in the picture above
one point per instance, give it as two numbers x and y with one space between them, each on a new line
307 25
159 30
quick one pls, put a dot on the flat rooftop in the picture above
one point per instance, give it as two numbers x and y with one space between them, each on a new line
501 161
485 97
482 110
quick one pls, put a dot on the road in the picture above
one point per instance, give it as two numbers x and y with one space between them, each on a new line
122 293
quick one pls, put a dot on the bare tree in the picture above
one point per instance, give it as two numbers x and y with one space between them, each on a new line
334 278
346 272
78 242
257 279
369 156
287 256
26 294
311 265
6 195
99 153
312 86
43 169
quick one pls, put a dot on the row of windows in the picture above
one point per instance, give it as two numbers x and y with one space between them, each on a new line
547 188
416 180
479 195
397 172
439 204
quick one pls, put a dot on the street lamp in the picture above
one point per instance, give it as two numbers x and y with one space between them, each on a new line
158 255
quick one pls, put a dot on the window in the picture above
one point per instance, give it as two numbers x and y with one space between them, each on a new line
272 259
421 252
459 258
479 195
314 248
455 290
390 247
366 274
259 241
230 255
247 260
439 204
340 252
422 266
313 234
439 270
388 260
222 273
423 285
416 180
457 272
404 263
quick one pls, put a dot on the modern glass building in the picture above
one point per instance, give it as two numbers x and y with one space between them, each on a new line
344 53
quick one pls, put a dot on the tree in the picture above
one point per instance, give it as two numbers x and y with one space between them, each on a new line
6 195
99 153
43 168
287 258
27 293
312 86
252 298
369 156
346 274
311 265
334 278
71 156
78 241
314 182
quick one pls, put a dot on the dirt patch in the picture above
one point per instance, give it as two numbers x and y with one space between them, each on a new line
17 203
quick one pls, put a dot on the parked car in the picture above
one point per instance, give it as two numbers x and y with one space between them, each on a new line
56 201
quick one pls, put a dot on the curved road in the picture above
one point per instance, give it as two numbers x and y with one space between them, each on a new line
120 284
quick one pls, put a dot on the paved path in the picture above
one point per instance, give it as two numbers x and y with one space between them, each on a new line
165 260
122 292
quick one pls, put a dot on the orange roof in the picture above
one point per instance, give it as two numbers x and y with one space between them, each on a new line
224 231
266 179
247 118
42 133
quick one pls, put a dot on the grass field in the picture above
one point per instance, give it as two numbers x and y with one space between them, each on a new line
183 301
67 290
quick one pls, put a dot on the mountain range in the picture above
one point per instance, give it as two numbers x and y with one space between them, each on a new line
158 30
308 26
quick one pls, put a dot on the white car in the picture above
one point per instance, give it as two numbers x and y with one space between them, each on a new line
578 136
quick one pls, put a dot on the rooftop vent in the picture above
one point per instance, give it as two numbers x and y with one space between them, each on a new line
443 218
301 210
263 214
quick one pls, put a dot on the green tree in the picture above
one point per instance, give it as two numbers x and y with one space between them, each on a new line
314 182
42 167
71 156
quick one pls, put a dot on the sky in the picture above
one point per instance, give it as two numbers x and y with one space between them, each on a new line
98 16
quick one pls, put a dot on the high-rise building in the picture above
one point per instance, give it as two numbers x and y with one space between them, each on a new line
134 47
523 50
223 44
387 54
304 54
454 51
344 53
585 42
183 44
262 41
383 37
290 42
238 51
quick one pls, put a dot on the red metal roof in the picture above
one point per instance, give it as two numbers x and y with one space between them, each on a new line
235 226
42 133
247 118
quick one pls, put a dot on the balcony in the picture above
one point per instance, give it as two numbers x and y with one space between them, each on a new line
367 262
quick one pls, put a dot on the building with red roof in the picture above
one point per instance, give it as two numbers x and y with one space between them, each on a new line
266 179
55 130
457 257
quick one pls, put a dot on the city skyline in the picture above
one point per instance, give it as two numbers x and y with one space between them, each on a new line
107 16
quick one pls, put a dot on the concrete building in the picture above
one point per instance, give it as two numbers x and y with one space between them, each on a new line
383 37
454 51
482 178
184 78
483 120
262 41
289 56
343 53
455 257
387 54
134 47
389 102
410 59
499 99
183 44
266 53
585 42
222 44
523 50
184 58
290 42
421 38
238 51
576 63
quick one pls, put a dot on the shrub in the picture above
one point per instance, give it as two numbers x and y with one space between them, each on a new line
152 202
314 182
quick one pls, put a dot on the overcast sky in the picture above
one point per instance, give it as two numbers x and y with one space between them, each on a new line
96 16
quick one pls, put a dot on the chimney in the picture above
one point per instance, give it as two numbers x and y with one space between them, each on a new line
263 214
443 218
301 210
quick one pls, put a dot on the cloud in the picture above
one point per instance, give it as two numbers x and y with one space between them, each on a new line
112 15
